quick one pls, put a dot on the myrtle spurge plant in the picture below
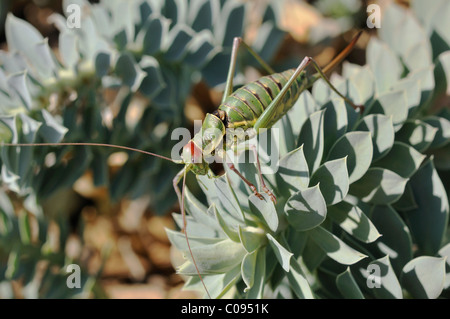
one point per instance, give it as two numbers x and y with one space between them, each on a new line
121 74
361 211
361 207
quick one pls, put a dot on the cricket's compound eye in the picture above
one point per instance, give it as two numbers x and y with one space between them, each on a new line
192 153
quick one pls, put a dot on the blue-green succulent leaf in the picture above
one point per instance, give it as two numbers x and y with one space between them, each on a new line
306 209
407 201
413 95
311 137
231 23
379 186
358 148
228 198
347 285
252 238
248 268
153 83
298 281
334 247
213 259
442 137
177 43
396 239
230 230
19 88
431 16
312 255
283 255
201 49
268 40
392 104
418 134
332 178
428 222
199 212
352 219
201 15
402 159
425 77
445 252
382 130
335 121
424 277
129 71
21 35
415 49
51 130
300 112
218 285
178 240
152 35
257 290
442 74
384 64
385 284
265 210
363 80
293 173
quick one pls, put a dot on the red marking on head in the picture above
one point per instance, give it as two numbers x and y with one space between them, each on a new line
193 152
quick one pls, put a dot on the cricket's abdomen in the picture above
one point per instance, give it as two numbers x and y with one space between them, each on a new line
247 103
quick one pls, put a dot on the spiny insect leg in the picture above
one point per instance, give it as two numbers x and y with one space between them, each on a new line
246 181
261 178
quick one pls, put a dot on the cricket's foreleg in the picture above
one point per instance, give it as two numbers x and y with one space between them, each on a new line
231 69
257 57
261 178
253 188
237 43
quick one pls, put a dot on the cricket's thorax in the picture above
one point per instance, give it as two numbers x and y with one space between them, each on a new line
245 105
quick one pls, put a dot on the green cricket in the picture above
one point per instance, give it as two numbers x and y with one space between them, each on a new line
256 105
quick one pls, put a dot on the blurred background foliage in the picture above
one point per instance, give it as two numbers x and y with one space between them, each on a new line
151 69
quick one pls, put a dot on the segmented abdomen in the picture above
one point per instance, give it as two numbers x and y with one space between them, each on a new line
246 104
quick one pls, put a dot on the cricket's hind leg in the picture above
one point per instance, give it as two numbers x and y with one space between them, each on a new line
261 178
253 188
246 181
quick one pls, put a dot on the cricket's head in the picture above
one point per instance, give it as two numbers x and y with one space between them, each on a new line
201 150
193 158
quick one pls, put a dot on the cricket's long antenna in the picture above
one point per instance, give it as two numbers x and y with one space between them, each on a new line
186 234
90 144
338 59
341 56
